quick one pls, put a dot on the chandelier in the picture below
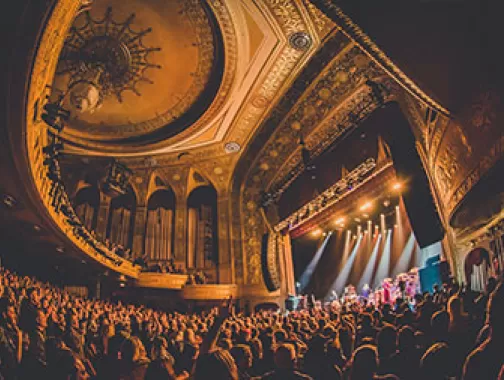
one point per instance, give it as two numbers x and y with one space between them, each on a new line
104 58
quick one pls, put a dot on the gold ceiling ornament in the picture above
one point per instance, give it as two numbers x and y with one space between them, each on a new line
300 41
104 58
232 147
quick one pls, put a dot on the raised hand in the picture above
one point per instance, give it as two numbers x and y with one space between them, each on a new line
226 310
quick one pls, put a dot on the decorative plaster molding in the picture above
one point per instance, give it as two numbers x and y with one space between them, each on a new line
209 292
161 280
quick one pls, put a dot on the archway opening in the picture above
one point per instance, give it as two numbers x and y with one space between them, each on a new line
121 220
202 248
87 203
159 228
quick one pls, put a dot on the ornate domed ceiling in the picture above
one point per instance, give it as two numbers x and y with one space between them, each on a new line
181 76
158 65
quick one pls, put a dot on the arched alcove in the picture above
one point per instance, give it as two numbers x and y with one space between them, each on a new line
160 223
121 219
202 250
86 203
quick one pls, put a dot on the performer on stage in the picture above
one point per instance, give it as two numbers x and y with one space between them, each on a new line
366 291
388 287
350 294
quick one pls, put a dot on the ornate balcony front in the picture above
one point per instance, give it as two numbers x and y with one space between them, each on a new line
209 292
161 280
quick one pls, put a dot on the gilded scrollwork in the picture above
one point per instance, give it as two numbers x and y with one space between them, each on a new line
312 114
483 111
323 24
446 169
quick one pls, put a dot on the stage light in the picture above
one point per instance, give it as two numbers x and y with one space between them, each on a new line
316 233
357 220
365 216
386 202
324 234
366 206
397 186
340 221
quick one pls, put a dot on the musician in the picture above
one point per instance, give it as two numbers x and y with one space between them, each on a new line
366 291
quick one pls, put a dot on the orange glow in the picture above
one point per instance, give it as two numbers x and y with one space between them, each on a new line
316 232
366 206
340 221
397 186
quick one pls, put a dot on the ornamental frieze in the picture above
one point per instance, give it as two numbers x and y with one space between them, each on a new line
346 72
465 148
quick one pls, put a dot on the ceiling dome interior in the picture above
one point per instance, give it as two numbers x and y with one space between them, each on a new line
159 64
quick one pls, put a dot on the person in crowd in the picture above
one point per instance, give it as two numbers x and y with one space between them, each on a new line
34 362
486 360
11 340
285 363
60 336
242 355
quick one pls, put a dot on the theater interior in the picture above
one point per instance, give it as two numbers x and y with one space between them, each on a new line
177 153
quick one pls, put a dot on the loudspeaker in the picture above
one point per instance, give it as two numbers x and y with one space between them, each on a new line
417 197
269 266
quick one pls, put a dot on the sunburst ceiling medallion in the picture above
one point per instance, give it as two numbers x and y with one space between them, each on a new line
105 58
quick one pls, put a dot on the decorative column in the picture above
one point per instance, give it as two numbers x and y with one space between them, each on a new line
139 230
286 251
103 215
225 268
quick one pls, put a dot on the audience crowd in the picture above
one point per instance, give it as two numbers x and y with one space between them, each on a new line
47 334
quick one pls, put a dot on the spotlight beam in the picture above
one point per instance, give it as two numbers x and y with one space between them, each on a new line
304 280
405 258
342 278
368 271
384 264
